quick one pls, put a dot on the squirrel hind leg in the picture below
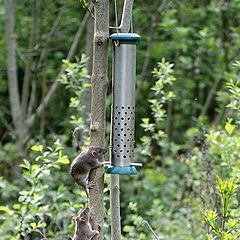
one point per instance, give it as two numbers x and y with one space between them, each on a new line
90 185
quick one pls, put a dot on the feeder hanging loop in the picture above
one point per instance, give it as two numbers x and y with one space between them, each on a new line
116 43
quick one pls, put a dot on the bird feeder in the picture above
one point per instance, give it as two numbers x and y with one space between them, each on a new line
123 104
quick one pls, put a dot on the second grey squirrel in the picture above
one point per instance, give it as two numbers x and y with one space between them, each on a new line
83 228
82 165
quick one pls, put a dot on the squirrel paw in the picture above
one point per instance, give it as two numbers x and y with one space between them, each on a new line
91 184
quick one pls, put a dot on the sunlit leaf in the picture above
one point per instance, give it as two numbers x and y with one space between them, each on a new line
63 160
37 148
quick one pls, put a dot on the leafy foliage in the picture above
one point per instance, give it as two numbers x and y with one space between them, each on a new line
225 228
188 117
45 207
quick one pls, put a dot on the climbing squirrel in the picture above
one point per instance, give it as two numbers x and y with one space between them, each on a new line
82 165
83 228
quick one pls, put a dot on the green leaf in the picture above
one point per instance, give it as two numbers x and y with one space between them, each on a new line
16 206
26 164
37 148
229 127
33 225
64 160
56 166
4 209
23 166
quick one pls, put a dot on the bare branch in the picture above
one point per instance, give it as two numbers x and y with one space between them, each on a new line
155 18
50 35
53 88
32 99
151 229
29 60
115 208
126 16
11 62
6 123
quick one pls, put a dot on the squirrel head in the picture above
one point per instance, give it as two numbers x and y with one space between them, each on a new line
96 151
84 215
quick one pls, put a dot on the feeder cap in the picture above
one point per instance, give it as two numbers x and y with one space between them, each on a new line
131 170
131 38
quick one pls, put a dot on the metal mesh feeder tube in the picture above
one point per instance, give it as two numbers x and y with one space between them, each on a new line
123 103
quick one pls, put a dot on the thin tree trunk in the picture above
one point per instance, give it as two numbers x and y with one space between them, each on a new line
126 16
22 124
11 60
98 105
154 23
224 42
115 207
13 87
29 59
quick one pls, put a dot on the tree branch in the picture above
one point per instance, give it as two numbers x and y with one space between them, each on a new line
11 62
115 208
44 51
126 16
29 60
154 21
53 88
98 105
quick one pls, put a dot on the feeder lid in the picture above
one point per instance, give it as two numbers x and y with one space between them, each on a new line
131 170
131 38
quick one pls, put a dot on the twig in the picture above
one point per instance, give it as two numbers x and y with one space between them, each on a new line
154 23
49 37
55 84
32 99
151 229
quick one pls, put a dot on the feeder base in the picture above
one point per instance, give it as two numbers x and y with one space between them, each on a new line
122 170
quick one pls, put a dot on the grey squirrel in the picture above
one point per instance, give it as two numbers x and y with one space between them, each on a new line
82 165
83 228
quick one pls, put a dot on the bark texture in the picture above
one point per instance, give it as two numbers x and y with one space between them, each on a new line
115 208
126 16
13 87
98 105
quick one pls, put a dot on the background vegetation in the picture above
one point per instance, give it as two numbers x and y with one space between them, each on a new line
187 122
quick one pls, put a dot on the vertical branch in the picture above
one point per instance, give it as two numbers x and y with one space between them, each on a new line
126 16
98 105
89 41
154 23
115 208
11 62
29 60
72 51
224 42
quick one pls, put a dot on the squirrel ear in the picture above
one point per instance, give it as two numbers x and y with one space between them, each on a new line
93 152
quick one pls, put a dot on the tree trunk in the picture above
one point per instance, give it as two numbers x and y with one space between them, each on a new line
13 88
98 105
24 122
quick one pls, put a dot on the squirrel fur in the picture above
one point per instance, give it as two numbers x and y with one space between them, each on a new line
83 164
83 228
